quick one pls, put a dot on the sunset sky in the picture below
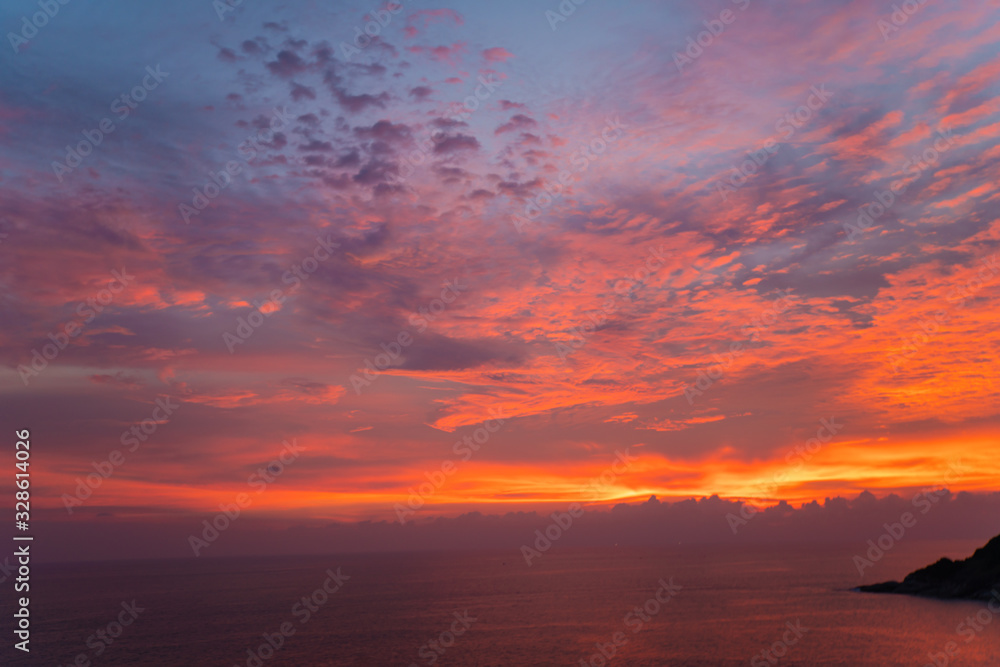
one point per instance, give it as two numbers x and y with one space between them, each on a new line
494 212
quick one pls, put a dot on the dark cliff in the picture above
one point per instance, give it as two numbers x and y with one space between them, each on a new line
974 578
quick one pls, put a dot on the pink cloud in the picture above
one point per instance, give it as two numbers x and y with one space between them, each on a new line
449 54
419 20
497 54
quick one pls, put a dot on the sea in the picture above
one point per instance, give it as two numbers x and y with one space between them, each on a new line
682 606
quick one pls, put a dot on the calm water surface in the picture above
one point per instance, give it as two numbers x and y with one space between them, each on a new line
732 605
